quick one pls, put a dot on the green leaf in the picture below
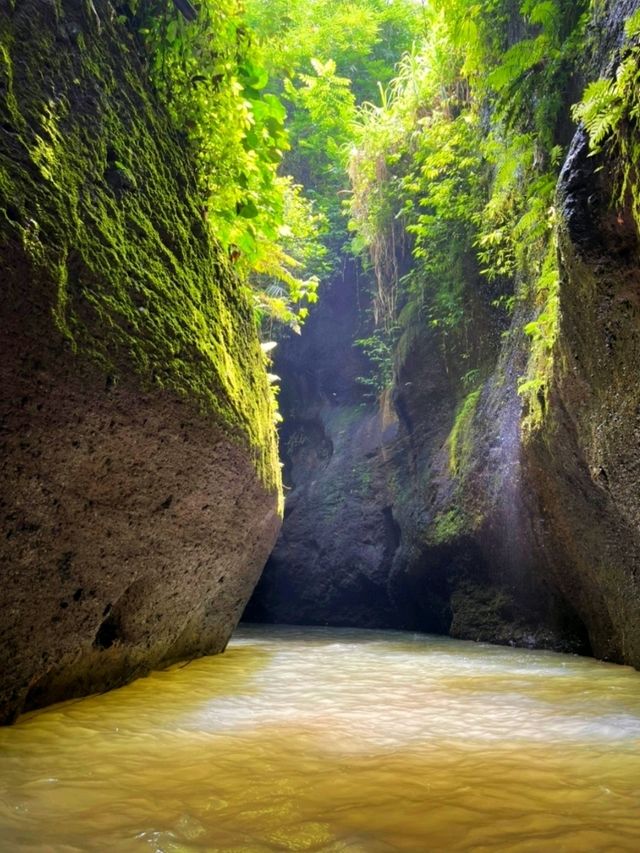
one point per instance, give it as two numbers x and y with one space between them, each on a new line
248 210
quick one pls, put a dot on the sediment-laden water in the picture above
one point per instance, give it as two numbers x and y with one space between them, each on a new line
335 740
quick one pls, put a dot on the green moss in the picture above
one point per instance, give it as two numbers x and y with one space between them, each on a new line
609 111
6 80
461 437
446 526
542 332
361 478
343 418
104 210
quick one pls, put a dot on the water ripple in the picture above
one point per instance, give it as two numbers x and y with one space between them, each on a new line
335 740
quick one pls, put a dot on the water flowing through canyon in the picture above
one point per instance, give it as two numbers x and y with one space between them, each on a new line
319 314
333 740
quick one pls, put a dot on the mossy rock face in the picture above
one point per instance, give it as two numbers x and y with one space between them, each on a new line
139 454
98 196
582 464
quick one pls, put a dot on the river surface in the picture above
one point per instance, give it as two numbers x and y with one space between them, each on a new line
335 740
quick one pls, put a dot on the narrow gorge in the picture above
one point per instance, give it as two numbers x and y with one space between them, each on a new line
487 490
320 341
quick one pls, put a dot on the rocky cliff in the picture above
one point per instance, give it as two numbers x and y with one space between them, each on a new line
495 516
331 564
582 464
140 480
408 512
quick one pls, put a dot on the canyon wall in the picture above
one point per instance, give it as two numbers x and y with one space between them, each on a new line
481 513
140 480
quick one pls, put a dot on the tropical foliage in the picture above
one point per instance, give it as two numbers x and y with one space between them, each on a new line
610 111
325 58
437 127
208 72
267 96
455 167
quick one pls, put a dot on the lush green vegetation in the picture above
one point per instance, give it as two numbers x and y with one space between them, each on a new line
456 167
208 73
610 111
325 59
423 139
267 96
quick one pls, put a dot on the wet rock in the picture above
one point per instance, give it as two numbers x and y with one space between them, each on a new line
584 467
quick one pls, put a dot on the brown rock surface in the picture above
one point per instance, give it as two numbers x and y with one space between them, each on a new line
138 469
584 466
133 530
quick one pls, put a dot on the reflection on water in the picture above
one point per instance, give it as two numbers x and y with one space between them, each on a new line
335 740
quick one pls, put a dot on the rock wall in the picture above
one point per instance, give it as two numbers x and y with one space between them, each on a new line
331 562
504 530
140 480
584 464
391 519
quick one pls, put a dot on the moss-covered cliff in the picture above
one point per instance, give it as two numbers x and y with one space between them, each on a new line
140 474
99 197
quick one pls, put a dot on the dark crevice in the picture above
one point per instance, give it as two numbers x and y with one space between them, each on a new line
108 633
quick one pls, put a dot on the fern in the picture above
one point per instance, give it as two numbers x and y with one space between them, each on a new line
610 112
545 13
519 59
600 111
632 26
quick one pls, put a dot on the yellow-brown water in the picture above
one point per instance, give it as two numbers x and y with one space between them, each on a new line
336 740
